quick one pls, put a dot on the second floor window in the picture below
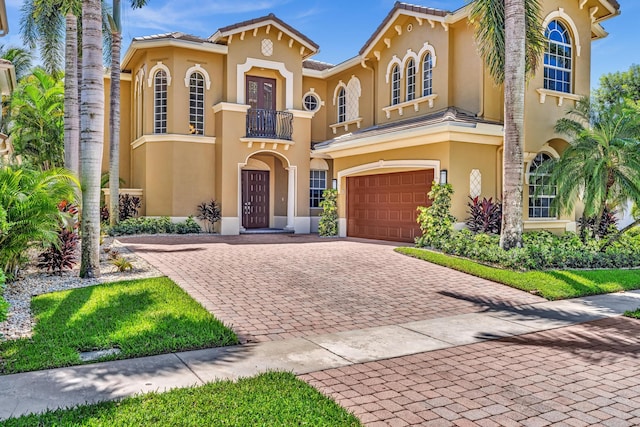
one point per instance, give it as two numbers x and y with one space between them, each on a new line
196 104
411 80
342 105
557 58
395 85
427 75
160 102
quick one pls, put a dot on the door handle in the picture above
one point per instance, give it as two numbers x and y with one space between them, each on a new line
247 208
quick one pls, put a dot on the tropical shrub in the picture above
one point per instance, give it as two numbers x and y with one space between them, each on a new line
146 225
61 255
4 305
485 216
122 264
436 221
607 225
209 213
328 225
129 206
29 214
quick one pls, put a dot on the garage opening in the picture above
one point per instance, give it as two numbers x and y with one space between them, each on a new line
384 206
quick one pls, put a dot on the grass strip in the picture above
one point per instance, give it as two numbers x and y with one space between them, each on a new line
552 284
271 399
635 314
140 317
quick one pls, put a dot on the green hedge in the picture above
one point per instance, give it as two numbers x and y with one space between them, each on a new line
544 251
146 225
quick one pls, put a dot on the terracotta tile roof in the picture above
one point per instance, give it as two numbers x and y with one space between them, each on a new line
450 115
174 35
404 6
269 17
311 64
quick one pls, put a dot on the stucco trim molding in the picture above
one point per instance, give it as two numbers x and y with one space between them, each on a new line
152 73
172 137
415 103
264 142
197 69
271 65
555 94
563 16
388 164
229 106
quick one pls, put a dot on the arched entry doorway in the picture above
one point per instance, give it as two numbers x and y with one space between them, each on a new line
266 192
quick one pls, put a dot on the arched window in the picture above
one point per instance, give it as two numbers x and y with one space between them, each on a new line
342 105
196 103
427 75
395 85
160 102
411 80
541 192
558 61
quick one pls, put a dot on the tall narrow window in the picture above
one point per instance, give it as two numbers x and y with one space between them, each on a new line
427 75
160 102
196 104
411 80
395 85
557 58
342 105
317 185
541 192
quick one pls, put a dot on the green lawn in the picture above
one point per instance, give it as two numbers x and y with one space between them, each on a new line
552 285
140 317
271 399
635 314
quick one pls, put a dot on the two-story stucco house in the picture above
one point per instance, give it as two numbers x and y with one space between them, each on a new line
248 118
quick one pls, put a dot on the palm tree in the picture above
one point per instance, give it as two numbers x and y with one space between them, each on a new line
91 136
601 166
37 120
21 58
511 43
114 109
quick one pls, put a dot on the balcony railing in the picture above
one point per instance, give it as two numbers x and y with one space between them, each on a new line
269 124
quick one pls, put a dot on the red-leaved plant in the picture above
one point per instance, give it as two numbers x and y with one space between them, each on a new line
485 216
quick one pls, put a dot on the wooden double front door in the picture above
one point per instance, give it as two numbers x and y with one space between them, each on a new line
255 199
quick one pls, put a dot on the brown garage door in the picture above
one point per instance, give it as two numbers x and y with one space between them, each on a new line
384 206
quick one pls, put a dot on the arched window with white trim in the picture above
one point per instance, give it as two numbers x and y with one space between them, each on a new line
558 57
411 80
541 192
196 103
342 105
395 85
427 75
160 102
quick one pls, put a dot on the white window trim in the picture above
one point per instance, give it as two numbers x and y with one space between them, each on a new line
415 81
561 15
415 103
325 172
312 92
543 93
429 48
549 151
152 73
337 89
394 61
197 69
271 65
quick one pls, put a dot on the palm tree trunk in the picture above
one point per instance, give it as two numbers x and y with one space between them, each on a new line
114 128
92 134
514 89
71 106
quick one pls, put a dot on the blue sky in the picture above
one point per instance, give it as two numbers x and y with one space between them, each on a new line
339 27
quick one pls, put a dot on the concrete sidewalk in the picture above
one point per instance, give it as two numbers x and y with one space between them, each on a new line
64 387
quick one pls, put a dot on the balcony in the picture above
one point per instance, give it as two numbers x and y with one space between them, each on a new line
269 124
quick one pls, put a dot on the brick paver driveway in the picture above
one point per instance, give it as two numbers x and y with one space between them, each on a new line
270 287
577 376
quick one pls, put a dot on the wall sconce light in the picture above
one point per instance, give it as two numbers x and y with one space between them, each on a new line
443 176
334 184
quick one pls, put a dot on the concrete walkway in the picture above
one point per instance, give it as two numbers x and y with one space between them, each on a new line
38 391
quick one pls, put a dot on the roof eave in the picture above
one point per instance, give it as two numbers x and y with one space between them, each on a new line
148 44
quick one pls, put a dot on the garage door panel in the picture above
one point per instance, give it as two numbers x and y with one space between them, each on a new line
384 206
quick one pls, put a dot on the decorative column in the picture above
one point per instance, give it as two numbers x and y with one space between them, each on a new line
291 197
